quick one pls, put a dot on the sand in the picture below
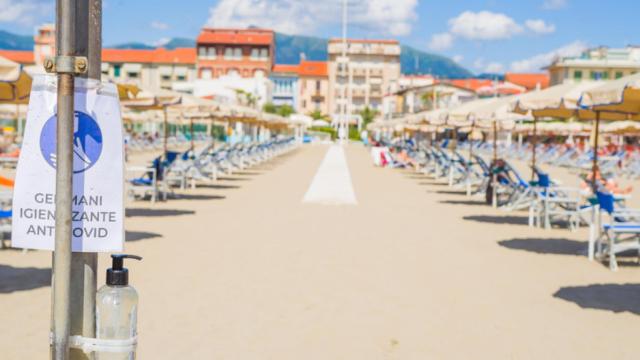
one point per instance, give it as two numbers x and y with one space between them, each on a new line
243 269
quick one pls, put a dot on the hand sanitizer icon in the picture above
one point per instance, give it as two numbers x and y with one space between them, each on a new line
87 142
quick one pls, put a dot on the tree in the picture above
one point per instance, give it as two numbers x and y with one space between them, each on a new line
270 108
285 110
317 115
368 115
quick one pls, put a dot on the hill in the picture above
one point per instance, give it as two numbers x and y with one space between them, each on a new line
15 42
288 51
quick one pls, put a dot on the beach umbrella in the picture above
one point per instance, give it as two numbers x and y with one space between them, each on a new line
15 87
559 102
157 99
615 100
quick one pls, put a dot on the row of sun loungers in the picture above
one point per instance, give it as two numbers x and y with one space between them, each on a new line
613 228
173 169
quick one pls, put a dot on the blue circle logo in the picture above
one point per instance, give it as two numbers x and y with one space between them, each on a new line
87 142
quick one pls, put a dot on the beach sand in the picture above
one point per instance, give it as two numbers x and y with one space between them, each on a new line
243 269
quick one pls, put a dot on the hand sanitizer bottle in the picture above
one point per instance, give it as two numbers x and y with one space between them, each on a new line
116 309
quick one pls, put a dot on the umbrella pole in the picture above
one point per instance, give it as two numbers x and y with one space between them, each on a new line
166 131
495 141
594 169
534 143
193 148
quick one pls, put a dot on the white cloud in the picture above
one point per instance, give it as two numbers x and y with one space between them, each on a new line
441 42
483 25
494 67
159 25
161 42
535 63
539 26
479 63
386 17
458 58
26 12
554 4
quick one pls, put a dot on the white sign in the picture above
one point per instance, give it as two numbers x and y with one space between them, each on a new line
98 165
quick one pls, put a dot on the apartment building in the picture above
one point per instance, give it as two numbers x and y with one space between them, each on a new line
285 85
314 87
244 52
364 75
596 64
151 69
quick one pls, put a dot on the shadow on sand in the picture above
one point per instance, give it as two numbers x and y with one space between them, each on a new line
612 297
463 202
424 183
445 192
131 212
140 235
218 186
547 246
226 178
199 197
508 220
21 279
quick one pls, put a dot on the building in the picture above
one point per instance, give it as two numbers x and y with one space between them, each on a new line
151 69
245 52
314 87
363 77
439 95
595 64
44 43
285 85
530 82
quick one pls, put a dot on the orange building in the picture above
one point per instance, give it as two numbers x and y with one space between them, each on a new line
244 52
529 81
314 87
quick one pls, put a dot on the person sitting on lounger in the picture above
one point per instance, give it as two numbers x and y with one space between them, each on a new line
607 183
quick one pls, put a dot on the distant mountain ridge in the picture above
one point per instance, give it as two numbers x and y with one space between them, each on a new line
289 49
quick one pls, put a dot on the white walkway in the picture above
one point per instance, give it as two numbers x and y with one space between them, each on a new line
332 183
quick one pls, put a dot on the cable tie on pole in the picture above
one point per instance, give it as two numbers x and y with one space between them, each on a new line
89 345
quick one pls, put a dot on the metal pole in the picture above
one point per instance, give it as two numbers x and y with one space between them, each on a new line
495 141
84 265
166 130
65 41
594 169
534 143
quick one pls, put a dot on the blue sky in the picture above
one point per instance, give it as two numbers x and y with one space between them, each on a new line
483 35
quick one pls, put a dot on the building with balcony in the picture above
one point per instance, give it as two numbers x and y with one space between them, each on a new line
595 64
363 76
244 52
285 85
314 87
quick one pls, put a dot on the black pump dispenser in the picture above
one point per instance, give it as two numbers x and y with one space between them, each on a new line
118 275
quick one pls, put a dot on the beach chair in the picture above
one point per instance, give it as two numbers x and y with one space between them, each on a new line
618 227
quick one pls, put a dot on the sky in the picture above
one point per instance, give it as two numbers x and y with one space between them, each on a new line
482 35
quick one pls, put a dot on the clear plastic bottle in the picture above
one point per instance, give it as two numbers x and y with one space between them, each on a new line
116 309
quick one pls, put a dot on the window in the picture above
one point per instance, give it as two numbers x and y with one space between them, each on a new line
264 54
116 70
255 54
577 75
206 73
202 51
181 78
211 53
318 85
237 53
619 74
605 75
166 77
132 75
228 53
